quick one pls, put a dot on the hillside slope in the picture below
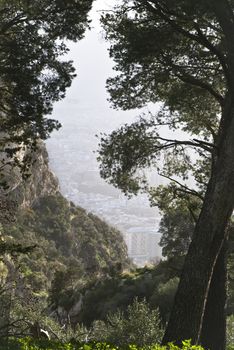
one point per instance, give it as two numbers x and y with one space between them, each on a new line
71 246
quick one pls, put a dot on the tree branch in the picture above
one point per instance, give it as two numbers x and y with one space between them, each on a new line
183 188
192 214
199 38
195 143
191 80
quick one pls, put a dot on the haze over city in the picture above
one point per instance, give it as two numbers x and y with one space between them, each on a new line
84 113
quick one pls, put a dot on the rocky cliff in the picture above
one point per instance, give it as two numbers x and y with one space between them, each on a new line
38 180
73 247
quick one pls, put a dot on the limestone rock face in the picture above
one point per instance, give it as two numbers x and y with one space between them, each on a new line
42 181
69 227
39 181
73 248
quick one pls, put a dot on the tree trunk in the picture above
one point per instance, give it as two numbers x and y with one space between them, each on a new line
191 297
213 334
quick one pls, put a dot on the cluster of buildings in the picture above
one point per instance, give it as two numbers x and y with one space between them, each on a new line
74 162
143 248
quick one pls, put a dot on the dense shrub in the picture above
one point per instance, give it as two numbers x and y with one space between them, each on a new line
230 331
139 325
30 344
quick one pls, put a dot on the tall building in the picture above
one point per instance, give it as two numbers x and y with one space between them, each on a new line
143 247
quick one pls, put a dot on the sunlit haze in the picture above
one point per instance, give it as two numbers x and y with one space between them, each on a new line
84 113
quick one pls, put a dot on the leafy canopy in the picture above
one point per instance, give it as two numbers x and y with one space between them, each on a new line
139 325
175 54
32 73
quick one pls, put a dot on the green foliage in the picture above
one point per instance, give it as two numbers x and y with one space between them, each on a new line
158 60
163 297
162 58
176 229
67 239
127 152
230 332
138 325
32 45
14 249
165 52
72 250
30 344
156 284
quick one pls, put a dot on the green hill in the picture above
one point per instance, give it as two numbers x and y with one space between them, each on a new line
72 248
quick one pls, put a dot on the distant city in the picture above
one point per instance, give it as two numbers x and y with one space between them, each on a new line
74 162
84 113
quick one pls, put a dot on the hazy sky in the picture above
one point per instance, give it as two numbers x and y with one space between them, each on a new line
85 106
93 67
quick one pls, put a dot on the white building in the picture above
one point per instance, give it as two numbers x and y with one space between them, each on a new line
143 247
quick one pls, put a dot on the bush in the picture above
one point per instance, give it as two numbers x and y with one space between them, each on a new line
230 332
139 325
30 344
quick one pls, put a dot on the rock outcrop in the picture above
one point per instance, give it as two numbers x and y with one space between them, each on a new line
73 247
38 181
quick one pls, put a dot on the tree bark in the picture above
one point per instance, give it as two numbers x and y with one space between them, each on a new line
213 334
209 235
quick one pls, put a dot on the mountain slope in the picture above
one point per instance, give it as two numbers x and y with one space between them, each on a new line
68 239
